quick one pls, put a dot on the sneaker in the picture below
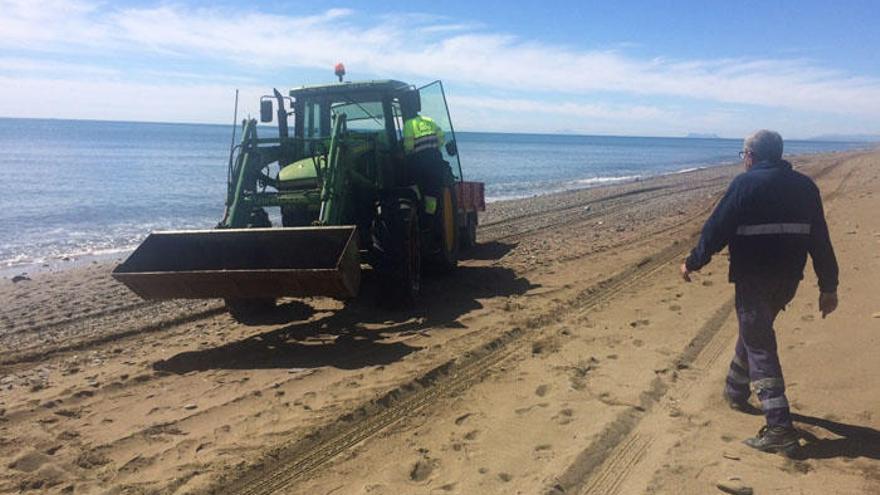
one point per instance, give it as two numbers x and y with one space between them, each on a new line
775 439
741 405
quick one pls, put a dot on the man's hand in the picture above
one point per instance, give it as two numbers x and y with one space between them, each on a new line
827 302
685 273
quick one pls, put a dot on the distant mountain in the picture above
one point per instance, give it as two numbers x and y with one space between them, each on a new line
864 138
701 135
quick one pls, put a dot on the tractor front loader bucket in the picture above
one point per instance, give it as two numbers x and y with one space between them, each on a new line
245 263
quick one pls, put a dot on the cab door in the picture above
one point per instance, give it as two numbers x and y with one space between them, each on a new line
434 105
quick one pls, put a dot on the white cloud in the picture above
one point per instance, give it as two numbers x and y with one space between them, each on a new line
510 114
125 100
48 23
19 65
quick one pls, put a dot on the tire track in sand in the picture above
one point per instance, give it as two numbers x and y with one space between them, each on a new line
298 460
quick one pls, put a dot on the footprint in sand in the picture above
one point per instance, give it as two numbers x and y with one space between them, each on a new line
29 462
422 469
565 416
543 451
67 436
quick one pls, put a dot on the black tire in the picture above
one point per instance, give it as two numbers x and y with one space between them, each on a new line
396 252
444 257
251 310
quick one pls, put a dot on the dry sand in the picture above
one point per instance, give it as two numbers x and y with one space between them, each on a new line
565 356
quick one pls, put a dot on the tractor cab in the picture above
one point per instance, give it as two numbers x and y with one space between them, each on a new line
371 142
374 113
370 138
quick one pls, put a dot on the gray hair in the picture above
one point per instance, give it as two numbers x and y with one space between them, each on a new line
764 145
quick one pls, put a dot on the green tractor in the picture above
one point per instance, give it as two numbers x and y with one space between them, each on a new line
346 195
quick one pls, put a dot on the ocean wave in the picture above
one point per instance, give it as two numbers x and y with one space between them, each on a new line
22 260
607 180
41 246
686 170
541 189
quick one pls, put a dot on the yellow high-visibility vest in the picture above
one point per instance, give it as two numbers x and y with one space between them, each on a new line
421 133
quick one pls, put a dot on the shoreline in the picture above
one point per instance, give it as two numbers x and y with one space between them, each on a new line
615 181
495 207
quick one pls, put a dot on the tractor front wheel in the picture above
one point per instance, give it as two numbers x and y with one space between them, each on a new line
251 310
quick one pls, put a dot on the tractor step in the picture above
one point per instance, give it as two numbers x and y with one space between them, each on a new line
245 263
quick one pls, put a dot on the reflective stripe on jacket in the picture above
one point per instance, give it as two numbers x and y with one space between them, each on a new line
771 217
421 133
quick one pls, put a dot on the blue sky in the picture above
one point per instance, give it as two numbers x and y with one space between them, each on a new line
634 68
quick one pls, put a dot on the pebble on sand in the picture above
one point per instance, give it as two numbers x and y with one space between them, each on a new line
190 406
876 315
20 278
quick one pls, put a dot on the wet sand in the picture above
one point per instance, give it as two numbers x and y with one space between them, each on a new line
564 356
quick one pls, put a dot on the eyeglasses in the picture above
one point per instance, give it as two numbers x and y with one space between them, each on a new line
742 154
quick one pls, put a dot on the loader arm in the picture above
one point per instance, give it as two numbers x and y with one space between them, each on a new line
246 173
336 184
238 262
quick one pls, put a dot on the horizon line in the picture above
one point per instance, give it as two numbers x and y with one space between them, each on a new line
819 138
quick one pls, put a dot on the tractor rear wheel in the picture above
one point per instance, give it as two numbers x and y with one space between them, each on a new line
446 232
397 252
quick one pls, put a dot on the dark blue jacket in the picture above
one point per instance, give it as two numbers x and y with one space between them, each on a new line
771 216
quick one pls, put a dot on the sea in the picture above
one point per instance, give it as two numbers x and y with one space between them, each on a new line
74 189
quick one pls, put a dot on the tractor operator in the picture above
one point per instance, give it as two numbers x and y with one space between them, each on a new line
770 217
422 138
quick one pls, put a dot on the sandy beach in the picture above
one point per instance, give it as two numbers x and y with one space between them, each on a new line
564 356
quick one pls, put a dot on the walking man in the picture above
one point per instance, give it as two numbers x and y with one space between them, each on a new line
770 217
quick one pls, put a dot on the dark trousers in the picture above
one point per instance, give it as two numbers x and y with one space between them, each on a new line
427 169
756 361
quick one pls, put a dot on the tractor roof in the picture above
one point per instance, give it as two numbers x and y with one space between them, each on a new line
349 87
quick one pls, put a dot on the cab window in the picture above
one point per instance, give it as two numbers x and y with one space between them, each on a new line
366 117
